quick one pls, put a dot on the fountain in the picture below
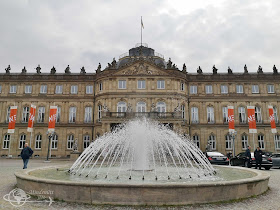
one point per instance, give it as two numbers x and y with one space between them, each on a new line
144 163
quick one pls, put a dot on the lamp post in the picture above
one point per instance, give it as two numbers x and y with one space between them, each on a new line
50 135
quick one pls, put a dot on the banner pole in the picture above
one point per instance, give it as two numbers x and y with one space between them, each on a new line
30 139
254 141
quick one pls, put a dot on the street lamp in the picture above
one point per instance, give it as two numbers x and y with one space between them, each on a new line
50 135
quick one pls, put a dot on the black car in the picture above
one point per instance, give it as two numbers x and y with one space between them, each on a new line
240 160
217 158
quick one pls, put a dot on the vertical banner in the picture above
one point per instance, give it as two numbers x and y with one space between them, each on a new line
252 119
52 119
31 118
12 119
231 119
272 119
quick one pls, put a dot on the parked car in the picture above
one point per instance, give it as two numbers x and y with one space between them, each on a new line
217 158
239 160
276 160
267 153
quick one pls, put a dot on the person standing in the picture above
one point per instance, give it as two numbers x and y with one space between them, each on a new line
248 157
25 154
258 156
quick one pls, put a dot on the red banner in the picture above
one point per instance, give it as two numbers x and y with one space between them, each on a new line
12 119
52 118
31 118
272 119
252 119
231 119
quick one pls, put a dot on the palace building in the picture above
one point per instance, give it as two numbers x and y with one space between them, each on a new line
141 83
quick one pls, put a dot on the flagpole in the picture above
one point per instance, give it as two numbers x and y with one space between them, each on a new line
141 30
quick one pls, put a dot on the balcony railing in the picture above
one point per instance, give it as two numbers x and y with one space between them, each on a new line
160 115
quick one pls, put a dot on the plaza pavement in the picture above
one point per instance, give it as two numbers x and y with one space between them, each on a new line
269 200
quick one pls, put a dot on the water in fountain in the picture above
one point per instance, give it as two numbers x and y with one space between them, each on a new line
142 148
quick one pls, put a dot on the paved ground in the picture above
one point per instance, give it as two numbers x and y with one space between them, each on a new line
270 200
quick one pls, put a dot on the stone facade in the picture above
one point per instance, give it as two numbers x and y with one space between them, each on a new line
138 85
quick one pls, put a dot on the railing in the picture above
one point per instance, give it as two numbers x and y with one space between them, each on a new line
160 115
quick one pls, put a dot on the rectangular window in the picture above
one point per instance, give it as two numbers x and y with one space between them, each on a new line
258 114
211 143
70 142
100 86
210 114
160 84
194 114
255 89
28 89
89 89
43 89
74 89
183 111
6 141
228 142
242 114
196 140
88 114
270 89
99 112
13 89
275 114
261 141
38 142
22 141
277 141
25 114
58 114
244 141
239 89
41 114
182 86
122 84
0 88
58 89
72 114
86 141
224 89
141 84
193 89
54 141
225 114
208 89
8 114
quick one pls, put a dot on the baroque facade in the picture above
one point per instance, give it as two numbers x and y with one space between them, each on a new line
141 83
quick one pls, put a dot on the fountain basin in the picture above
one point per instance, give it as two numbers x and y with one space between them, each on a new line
145 193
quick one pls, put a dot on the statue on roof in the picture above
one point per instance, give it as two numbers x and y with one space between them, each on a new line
260 71
38 69
199 70
98 68
215 70
53 70
184 68
229 70
174 66
169 64
83 70
245 69
8 69
114 63
23 71
275 70
67 70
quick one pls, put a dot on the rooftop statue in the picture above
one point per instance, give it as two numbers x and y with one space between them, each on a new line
184 68
199 70
229 70
260 71
53 70
215 70
38 69
174 66
114 63
23 71
169 64
98 70
8 69
83 70
67 70
245 69
275 70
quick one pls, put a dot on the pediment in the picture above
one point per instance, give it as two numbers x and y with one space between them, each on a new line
141 68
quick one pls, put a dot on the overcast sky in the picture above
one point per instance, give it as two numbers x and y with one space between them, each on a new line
85 32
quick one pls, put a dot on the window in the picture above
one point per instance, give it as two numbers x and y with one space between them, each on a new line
182 86
270 88
13 89
72 114
122 84
0 88
86 141
224 89
196 140
38 142
8 114
261 141
255 89
239 88
22 141
141 84
193 89
140 107
70 141
25 114
228 142
89 89
100 86
41 114
58 89
161 108
88 114
242 114
212 142
194 114
183 111
208 89
225 114
244 141
277 141
258 114
275 114
6 141
121 107
54 141
99 112
43 89
74 89
210 114
28 89
160 84
58 114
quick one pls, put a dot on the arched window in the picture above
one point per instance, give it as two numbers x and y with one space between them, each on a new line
88 114
6 141
38 141
194 114
86 141
58 114
141 106
275 114
212 142
22 139
196 140
72 114
25 114
210 114
70 141
242 114
161 106
225 114
244 141
261 141
258 114
228 142
54 141
121 107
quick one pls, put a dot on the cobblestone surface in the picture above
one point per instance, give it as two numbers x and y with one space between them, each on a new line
269 200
